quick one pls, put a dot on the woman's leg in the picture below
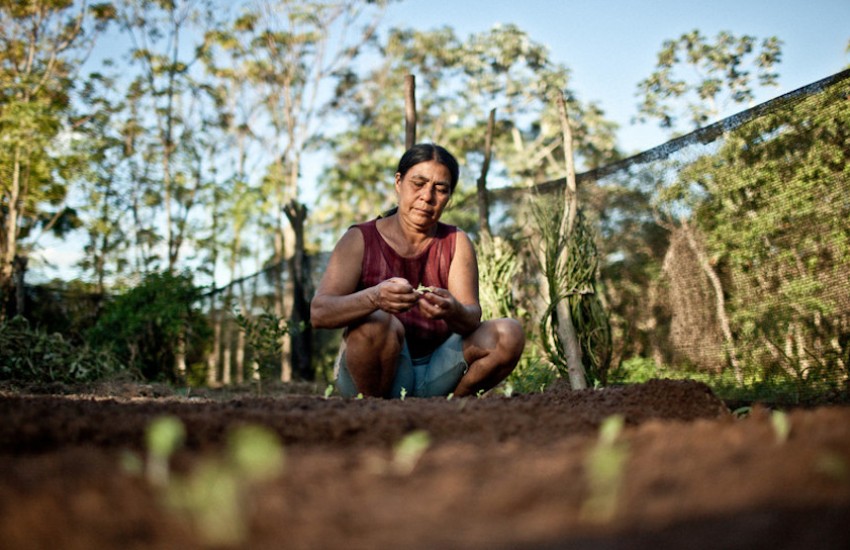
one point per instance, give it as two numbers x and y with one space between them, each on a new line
491 352
372 351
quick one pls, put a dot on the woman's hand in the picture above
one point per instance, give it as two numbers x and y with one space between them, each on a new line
437 303
395 295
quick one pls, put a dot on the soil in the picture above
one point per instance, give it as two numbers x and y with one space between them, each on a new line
496 473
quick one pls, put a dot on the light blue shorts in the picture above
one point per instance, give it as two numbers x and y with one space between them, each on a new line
433 375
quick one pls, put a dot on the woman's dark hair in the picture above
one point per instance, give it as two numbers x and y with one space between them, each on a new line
423 152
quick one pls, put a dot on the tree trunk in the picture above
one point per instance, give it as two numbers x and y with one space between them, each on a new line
226 354
20 288
10 232
719 300
213 356
240 357
300 330
566 329
483 203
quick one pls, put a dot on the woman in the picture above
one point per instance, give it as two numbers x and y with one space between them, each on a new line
405 287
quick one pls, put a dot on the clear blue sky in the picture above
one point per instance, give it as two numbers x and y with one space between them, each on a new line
611 45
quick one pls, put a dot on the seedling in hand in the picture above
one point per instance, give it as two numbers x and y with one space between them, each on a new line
423 289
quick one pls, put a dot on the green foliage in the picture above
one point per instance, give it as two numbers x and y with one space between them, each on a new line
533 373
264 334
723 68
771 201
144 325
30 355
498 265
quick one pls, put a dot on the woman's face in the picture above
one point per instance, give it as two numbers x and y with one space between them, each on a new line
423 193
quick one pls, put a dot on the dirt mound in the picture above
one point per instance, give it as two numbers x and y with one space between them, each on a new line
493 473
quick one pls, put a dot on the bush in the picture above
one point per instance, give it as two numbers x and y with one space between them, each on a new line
145 325
33 356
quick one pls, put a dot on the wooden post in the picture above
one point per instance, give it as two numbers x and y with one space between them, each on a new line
566 329
409 111
483 203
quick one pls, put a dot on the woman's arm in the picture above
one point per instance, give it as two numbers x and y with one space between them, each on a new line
337 302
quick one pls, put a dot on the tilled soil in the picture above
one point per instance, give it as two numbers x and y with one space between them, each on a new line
497 472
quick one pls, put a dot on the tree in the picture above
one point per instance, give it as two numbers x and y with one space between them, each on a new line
772 208
42 45
459 82
169 118
723 75
291 51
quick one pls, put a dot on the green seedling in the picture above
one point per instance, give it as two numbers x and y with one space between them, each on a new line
163 436
781 426
604 470
403 393
423 289
255 453
409 450
329 391
212 496
359 396
508 390
450 396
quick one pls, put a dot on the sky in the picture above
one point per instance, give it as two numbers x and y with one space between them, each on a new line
611 45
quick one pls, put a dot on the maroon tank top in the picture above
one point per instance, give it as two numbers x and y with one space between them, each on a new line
428 268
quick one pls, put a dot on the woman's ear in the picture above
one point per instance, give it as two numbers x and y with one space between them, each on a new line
397 180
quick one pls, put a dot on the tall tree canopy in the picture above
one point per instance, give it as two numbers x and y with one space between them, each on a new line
42 46
696 79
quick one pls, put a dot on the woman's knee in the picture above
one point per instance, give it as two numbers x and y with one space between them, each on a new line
377 330
511 337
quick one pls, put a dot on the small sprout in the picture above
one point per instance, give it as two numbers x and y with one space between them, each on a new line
215 494
508 390
604 466
329 391
781 426
403 393
423 289
164 435
610 429
359 396
450 396
479 394
255 452
409 450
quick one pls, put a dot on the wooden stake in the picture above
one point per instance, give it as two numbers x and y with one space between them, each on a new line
409 111
566 329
